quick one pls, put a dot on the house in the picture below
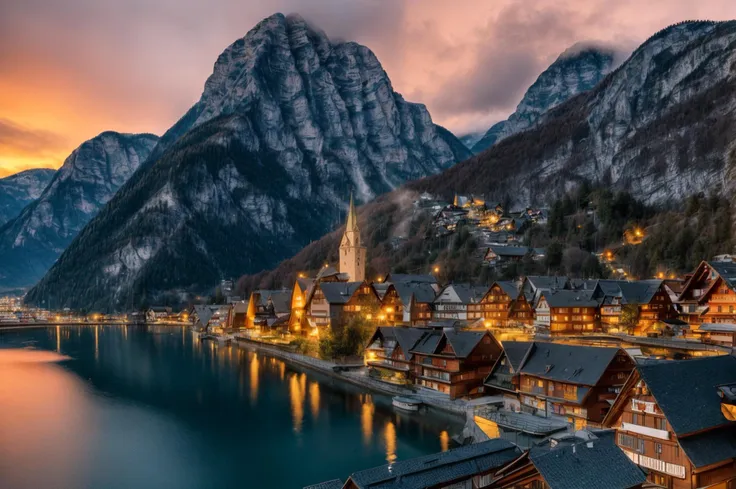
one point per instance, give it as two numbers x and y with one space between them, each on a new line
532 286
239 315
505 306
459 301
299 297
718 333
220 321
574 383
500 256
264 306
567 312
676 419
332 304
389 356
158 313
591 461
201 316
464 467
708 296
408 303
454 362
649 298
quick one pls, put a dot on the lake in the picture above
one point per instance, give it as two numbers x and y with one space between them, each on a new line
151 407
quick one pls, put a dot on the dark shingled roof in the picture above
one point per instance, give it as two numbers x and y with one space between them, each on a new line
581 364
204 314
463 342
727 271
468 294
404 278
339 292
281 299
509 288
515 352
422 292
333 484
570 298
518 251
431 470
580 466
684 387
407 338
710 447
304 283
545 282
428 343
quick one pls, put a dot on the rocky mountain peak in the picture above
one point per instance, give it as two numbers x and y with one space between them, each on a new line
20 189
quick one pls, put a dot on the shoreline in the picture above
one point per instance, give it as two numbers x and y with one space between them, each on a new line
457 407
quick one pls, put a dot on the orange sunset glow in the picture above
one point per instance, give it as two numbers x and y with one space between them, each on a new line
73 69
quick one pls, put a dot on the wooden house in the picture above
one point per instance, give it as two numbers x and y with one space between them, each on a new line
408 303
459 301
299 296
454 362
500 256
388 354
576 383
333 304
650 298
265 306
505 306
708 296
567 312
677 420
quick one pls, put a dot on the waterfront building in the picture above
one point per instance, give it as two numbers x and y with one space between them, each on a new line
454 362
464 467
266 306
590 461
505 306
352 251
708 296
650 299
239 316
574 384
677 419
299 297
389 356
408 303
334 304
563 312
532 286
459 301
158 313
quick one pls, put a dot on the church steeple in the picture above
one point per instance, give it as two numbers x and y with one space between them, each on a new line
352 253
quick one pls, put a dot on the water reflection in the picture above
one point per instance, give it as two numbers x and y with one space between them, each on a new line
162 409
444 440
390 442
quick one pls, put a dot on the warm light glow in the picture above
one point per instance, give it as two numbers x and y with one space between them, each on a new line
381 317
296 396
366 419
379 280
444 441
436 269
660 275
314 399
390 442
371 355
389 310
254 378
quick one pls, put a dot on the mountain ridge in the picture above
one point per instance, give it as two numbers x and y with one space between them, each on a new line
20 189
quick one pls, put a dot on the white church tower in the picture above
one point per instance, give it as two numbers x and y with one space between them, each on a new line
352 251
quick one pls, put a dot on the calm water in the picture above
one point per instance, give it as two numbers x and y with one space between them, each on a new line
152 408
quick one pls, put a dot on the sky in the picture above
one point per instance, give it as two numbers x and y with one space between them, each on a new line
71 69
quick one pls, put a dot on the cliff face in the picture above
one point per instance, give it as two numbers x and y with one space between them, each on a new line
289 124
661 126
575 71
90 176
19 190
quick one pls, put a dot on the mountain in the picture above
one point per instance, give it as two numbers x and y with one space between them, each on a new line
32 241
577 70
288 124
19 190
470 139
661 126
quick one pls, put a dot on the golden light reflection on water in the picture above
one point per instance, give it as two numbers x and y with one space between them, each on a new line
366 419
296 395
282 370
390 435
97 343
444 440
314 399
254 378
58 339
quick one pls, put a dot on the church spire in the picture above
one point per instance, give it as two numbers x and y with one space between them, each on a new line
352 221
352 251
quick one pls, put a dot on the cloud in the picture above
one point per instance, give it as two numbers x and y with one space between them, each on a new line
23 141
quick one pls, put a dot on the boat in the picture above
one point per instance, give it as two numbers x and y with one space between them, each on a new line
406 403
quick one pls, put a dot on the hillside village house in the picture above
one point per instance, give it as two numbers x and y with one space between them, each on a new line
649 298
459 301
454 362
389 356
500 256
567 312
408 303
708 296
532 286
677 420
505 306
333 304
574 383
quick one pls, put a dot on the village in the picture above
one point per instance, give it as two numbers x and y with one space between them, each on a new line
623 383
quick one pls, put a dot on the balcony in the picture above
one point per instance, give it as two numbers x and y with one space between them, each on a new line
646 431
657 465
644 406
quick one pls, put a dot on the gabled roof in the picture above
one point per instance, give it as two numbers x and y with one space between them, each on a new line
339 292
438 468
515 352
403 277
578 364
333 484
381 289
204 314
304 283
710 447
327 272
510 251
281 299
684 387
422 292
407 338
467 294
570 298
547 282
726 270
427 344
639 292
598 464
509 288
464 342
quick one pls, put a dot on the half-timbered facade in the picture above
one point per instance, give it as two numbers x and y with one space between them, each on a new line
504 306
567 312
334 304
708 296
